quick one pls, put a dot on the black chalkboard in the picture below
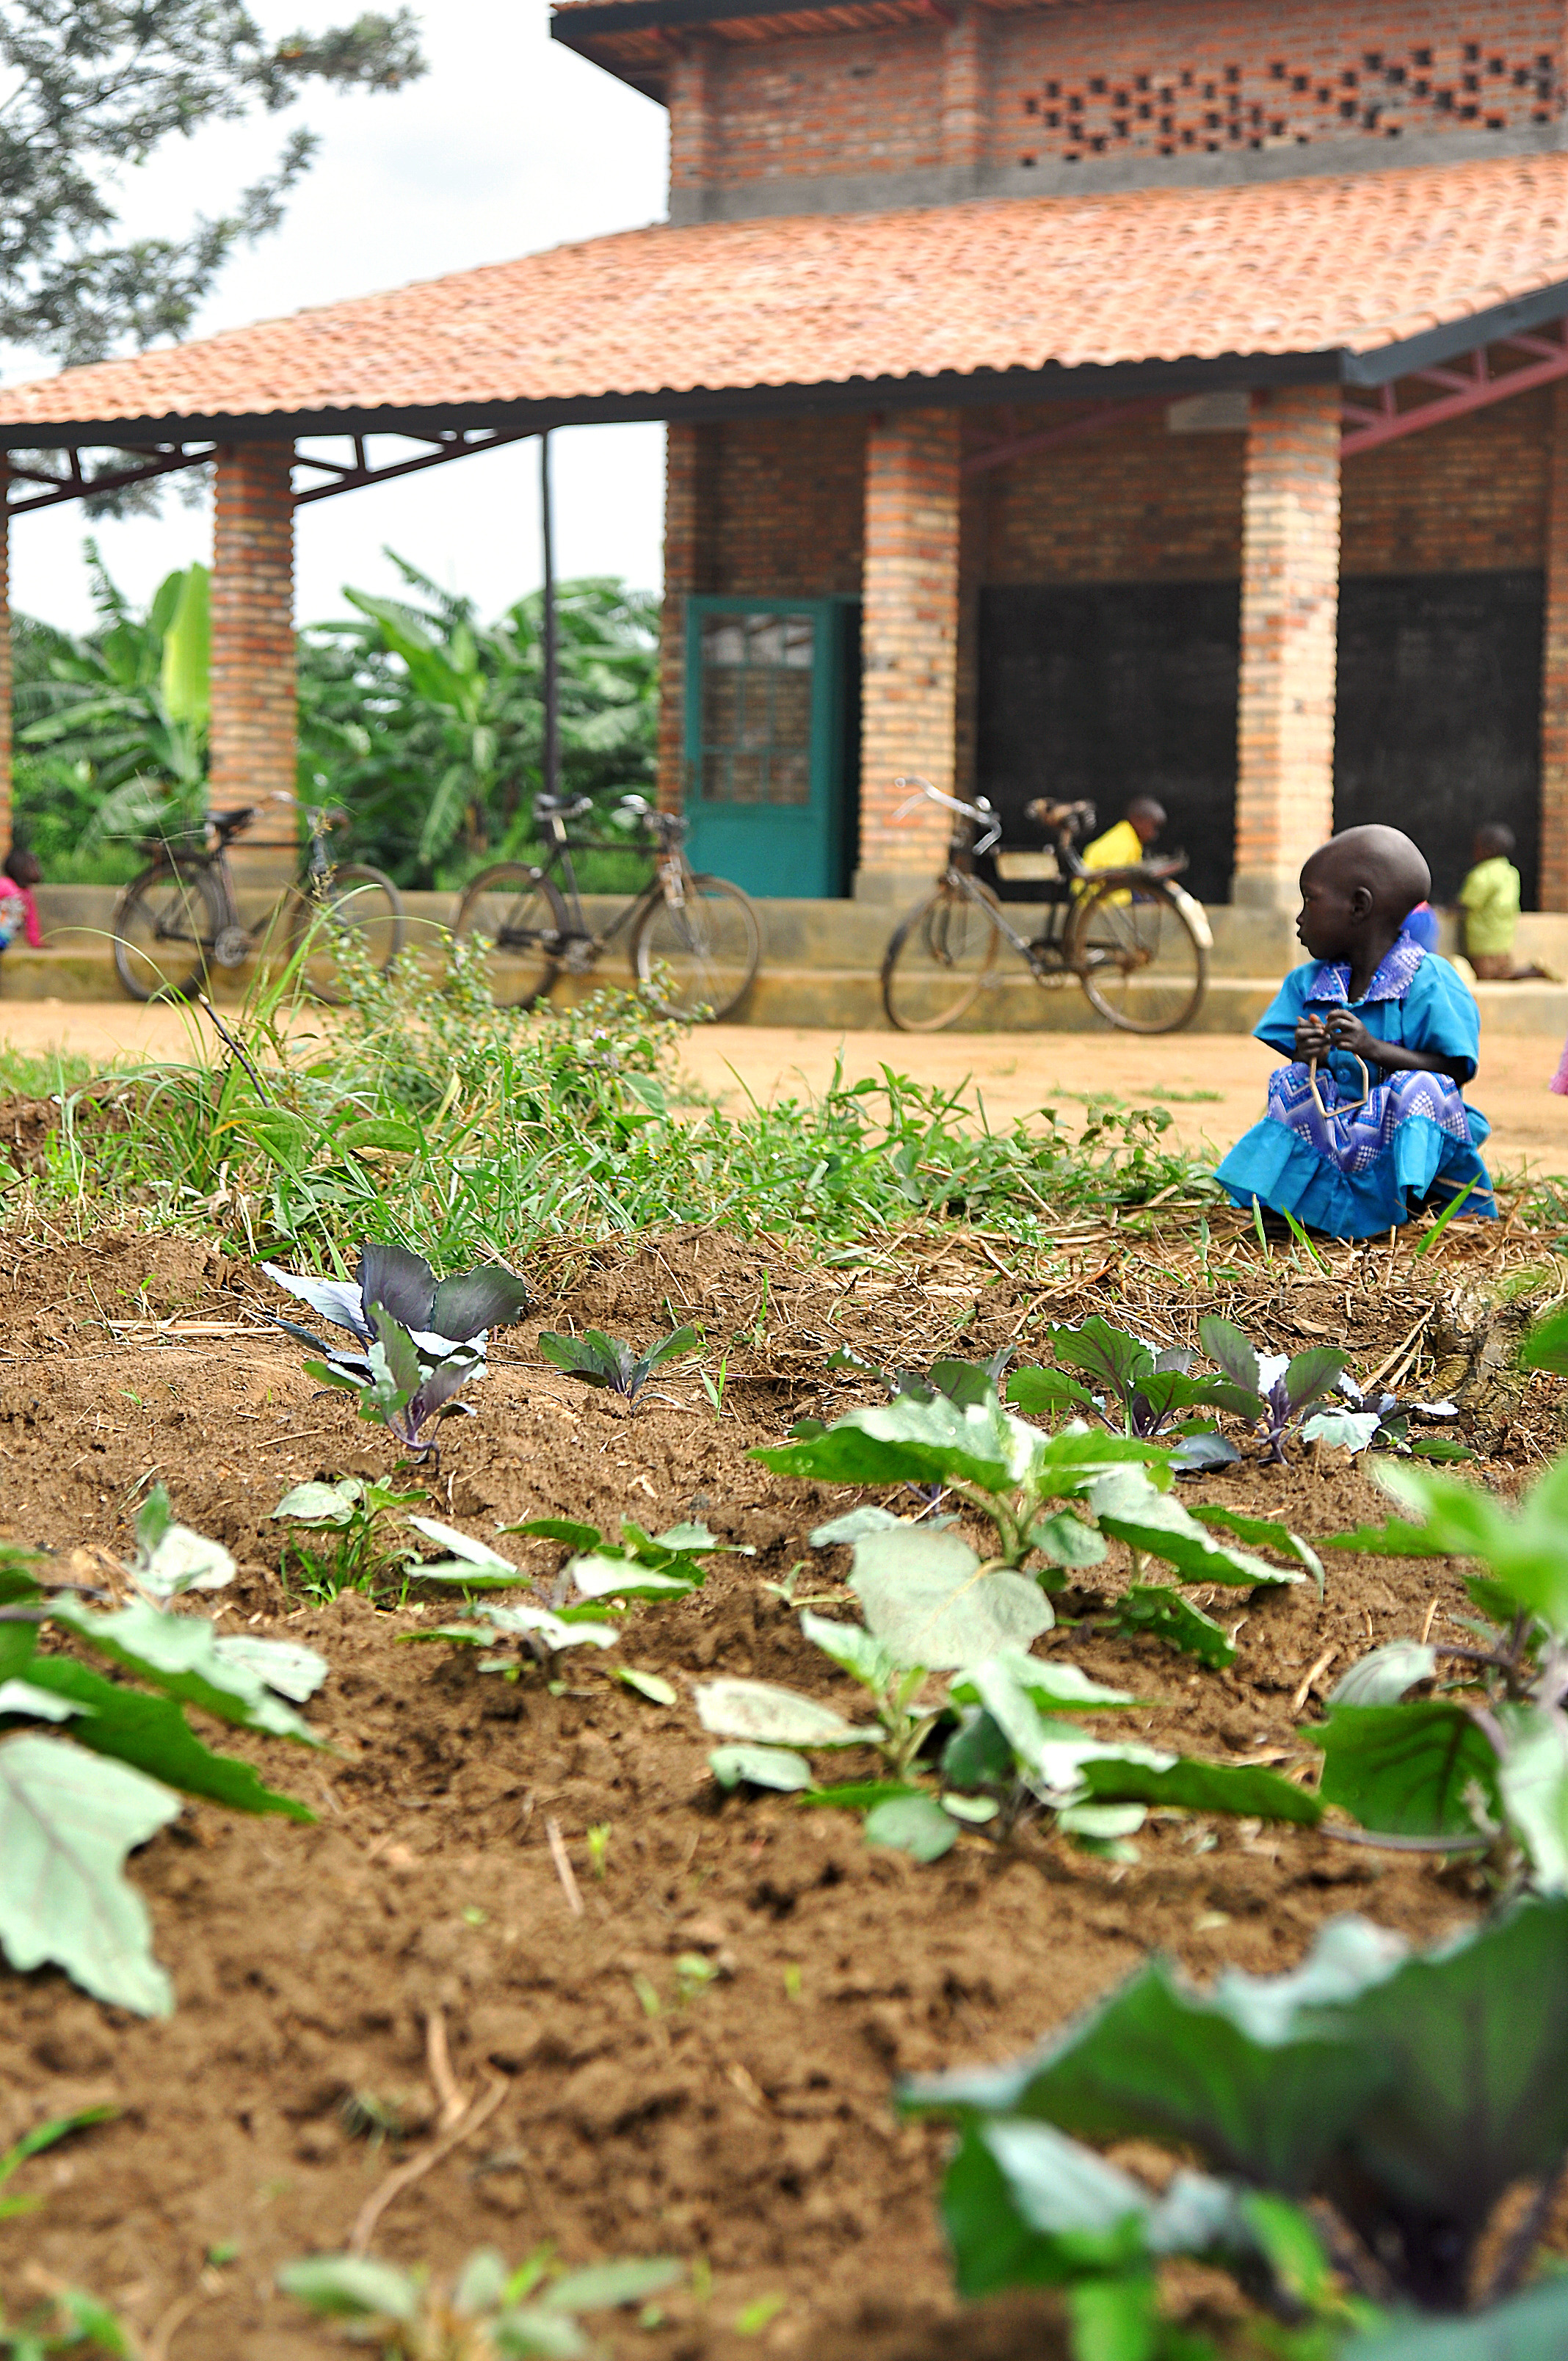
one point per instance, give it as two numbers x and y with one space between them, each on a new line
1114 690
1438 713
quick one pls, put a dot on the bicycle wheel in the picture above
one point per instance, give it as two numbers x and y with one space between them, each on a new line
523 915
707 951
939 960
165 925
354 905
1138 958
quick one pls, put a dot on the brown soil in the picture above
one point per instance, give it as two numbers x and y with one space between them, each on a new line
746 2121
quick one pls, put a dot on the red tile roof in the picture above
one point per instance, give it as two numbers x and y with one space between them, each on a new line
1348 265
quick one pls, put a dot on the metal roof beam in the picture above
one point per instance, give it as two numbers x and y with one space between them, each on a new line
1370 428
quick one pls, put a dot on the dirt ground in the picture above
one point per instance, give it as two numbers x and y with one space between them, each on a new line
742 2118
1211 1084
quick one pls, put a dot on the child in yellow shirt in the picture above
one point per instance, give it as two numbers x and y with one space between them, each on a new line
1123 846
1489 899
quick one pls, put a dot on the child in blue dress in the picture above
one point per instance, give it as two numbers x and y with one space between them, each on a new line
1368 1121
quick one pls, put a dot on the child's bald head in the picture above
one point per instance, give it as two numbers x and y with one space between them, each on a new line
1363 883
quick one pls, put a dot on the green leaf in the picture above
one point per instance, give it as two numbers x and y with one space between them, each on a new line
652 1685
1260 2075
1474 2040
25 1701
1193 1786
602 2285
1382 1676
1048 1684
1116 2319
978 1754
861 1795
1397 1538
1406 1769
1065 1540
352 2287
472 1553
1545 1346
170 1559
911 1824
1107 1356
910 1441
605 1575
866 1658
177 1654
1526 1552
152 1735
853 1526
560 1529
1529 2327
975 1809
1023 2207
295 1672
1155 1607
1533 1782
1309 1375
926 1597
1229 1350
1262 1532
322 1504
1040 1392
775 1717
1102 1823
1129 1507
68 1818
395 1371
759 1766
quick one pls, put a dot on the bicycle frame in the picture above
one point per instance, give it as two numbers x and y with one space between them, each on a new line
660 886
316 868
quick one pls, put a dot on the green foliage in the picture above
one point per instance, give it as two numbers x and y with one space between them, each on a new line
1485 1762
70 2321
355 1553
34 2142
1403 2093
488 2314
107 1769
92 95
427 725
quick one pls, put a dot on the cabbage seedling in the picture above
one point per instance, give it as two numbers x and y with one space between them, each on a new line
605 1361
423 1339
1287 1388
349 1515
1150 1389
1400 2094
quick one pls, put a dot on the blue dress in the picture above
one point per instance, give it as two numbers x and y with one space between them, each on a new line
1353 1166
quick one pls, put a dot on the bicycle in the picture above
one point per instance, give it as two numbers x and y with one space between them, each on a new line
695 942
1137 942
180 918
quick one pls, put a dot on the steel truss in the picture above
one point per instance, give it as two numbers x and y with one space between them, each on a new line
168 458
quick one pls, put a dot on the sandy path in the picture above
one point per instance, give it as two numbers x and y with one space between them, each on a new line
1015 1073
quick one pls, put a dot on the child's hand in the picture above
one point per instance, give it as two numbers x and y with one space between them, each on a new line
1311 1037
1347 1033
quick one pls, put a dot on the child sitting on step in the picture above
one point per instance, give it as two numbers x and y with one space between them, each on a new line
1368 1120
18 875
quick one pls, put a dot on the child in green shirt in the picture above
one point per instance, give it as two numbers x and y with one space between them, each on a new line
1489 898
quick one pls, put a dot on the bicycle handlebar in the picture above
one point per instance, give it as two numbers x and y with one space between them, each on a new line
980 810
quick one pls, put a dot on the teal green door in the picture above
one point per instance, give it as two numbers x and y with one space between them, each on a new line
765 743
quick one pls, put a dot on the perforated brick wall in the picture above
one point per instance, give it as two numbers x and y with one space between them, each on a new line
1285 729
1062 85
1218 76
253 729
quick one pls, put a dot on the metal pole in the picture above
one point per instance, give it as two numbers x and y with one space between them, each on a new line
552 698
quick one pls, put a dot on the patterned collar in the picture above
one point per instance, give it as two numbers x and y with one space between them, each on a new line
1393 980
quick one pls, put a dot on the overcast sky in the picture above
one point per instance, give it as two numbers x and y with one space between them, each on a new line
510 143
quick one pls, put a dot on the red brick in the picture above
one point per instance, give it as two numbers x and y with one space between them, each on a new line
253 729
909 639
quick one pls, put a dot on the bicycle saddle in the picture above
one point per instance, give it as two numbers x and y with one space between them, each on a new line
570 805
227 824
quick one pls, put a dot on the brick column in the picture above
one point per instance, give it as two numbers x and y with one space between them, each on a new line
4 659
252 733
690 454
1554 889
1291 504
964 91
692 126
909 643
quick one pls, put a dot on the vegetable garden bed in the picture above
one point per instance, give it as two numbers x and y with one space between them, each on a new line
674 2015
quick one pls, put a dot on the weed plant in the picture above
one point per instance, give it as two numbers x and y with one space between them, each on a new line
429 1118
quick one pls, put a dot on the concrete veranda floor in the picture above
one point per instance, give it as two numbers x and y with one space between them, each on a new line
1212 1084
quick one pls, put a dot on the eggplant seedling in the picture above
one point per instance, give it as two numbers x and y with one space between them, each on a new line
619 1369
356 1553
489 2311
423 1339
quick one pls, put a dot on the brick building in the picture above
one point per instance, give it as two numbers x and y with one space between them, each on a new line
1101 396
